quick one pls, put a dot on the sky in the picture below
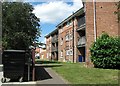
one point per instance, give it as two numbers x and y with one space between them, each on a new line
52 12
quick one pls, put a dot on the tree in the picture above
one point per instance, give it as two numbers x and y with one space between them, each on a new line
105 52
20 27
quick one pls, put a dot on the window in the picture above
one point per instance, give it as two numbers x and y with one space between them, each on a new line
61 41
67 37
69 23
71 37
61 29
81 21
61 53
69 52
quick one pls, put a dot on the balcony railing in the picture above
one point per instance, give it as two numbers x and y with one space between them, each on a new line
54 49
82 41
54 39
82 27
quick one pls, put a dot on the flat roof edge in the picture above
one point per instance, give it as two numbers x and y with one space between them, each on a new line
81 10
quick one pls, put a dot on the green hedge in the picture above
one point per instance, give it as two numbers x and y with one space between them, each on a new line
105 52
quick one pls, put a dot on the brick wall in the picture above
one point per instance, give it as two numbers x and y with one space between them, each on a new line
66 44
106 21
48 48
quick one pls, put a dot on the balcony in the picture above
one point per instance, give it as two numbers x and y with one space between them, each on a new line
81 24
55 39
81 41
54 49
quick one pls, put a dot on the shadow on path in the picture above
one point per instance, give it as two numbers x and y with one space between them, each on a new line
41 74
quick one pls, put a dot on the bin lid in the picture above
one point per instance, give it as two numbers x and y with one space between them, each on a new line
14 51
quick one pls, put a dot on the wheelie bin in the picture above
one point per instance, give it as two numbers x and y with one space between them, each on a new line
16 65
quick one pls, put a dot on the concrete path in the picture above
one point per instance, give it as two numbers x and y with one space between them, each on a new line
56 79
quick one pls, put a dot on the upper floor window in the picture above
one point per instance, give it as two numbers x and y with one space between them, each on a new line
81 21
69 23
61 29
61 42
67 37
71 36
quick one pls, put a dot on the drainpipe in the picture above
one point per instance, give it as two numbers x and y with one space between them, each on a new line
73 37
94 9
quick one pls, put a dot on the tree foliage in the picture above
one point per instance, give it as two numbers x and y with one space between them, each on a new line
20 27
105 52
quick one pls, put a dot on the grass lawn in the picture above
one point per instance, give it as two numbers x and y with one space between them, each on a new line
76 73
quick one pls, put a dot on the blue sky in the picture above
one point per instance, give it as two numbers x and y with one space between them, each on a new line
52 12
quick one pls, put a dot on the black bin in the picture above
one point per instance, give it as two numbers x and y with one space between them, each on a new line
15 65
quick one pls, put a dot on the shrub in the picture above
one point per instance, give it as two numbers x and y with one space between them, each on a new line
105 52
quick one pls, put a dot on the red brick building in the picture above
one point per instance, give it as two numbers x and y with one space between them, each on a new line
77 32
52 45
72 37
43 55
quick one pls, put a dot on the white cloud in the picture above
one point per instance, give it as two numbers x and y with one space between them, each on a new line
54 12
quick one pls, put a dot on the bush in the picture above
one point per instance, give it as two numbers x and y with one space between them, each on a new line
105 52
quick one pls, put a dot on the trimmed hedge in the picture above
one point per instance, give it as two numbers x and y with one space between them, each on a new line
105 52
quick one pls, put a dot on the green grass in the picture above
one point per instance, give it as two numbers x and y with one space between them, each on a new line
76 73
